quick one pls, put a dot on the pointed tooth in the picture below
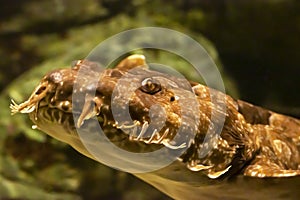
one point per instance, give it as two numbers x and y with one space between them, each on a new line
170 146
144 129
218 174
198 167
60 117
104 120
155 132
134 131
164 135
124 126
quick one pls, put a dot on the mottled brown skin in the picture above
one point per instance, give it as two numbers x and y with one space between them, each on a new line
254 142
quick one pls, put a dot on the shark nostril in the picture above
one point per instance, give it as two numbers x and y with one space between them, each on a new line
40 90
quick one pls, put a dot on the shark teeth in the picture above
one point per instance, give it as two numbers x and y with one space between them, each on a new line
91 108
136 132
143 131
128 126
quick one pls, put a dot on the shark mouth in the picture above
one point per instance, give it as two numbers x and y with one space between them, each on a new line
139 131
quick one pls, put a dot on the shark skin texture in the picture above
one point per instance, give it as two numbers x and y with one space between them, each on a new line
256 154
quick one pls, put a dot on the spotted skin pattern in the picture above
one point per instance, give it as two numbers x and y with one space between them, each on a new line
254 142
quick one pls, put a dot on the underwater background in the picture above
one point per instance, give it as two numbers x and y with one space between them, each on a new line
255 43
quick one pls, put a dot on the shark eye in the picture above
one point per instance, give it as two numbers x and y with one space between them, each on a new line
150 86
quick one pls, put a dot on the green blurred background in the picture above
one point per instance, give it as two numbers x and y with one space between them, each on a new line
255 43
